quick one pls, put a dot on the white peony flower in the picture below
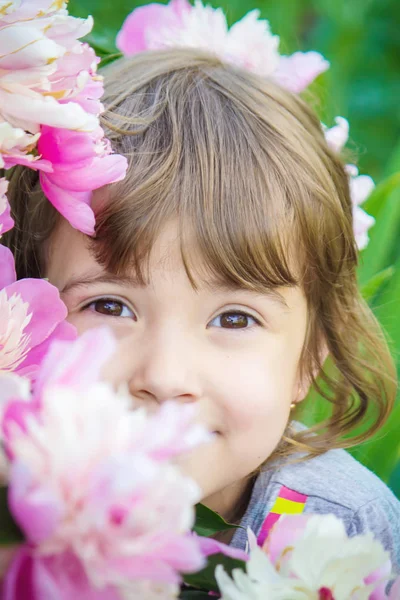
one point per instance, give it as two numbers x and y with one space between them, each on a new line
315 562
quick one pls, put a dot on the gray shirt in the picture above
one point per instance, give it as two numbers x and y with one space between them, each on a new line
333 483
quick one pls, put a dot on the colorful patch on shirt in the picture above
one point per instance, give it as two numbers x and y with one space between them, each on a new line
288 502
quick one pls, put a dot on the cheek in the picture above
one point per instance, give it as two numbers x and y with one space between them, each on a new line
257 392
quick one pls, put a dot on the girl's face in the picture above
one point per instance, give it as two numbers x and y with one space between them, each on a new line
232 352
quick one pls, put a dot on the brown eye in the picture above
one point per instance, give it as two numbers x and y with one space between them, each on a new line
234 320
110 308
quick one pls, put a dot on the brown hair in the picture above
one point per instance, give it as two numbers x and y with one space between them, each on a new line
244 168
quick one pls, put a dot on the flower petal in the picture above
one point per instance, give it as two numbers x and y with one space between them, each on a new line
6 222
74 206
35 577
209 546
7 267
66 363
37 510
34 109
101 171
29 367
132 39
24 46
338 135
297 71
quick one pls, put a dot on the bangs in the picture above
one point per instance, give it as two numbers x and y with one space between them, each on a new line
200 158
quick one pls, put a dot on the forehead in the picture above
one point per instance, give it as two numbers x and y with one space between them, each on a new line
71 265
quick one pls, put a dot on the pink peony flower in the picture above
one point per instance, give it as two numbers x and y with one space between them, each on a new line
30 48
249 43
338 135
81 163
6 222
114 502
50 97
297 71
361 186
137 33
31 316
16 146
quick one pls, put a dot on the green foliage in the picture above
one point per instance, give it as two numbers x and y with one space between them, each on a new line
360 39
9 532
208 522
205 579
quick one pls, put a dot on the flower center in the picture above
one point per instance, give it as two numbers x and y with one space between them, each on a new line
325 594
14 342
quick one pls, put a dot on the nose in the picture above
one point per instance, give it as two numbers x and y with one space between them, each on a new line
164 369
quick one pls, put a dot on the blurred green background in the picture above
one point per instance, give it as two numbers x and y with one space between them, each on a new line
361 40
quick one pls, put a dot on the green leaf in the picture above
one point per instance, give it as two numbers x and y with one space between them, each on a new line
205 579
384 239
372 287
192 594
377 198
388 306
382 452
209 522
9 531
102 43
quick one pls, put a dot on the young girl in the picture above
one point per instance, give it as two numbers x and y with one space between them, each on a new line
225 263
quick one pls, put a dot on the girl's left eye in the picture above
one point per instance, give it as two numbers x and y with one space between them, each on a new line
110 307
234 320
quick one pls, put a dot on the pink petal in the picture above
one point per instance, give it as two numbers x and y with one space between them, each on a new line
37 511
73 206
6 556
209 546
25 46
45 110
27 160
297 71
18 581
362 222
6 222
144 567
45 305
65 147
361 187
382 574
16 413
283 535
180 7
7 267
132 39
32 577
76 363
29 367
101 171
338 135
395 590
13 387
182 553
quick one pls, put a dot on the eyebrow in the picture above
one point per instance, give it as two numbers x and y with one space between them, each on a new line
271 293
91 278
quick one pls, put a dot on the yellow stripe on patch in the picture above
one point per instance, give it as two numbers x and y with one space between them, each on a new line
287 507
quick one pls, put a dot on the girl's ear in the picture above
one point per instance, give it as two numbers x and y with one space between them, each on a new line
304 382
